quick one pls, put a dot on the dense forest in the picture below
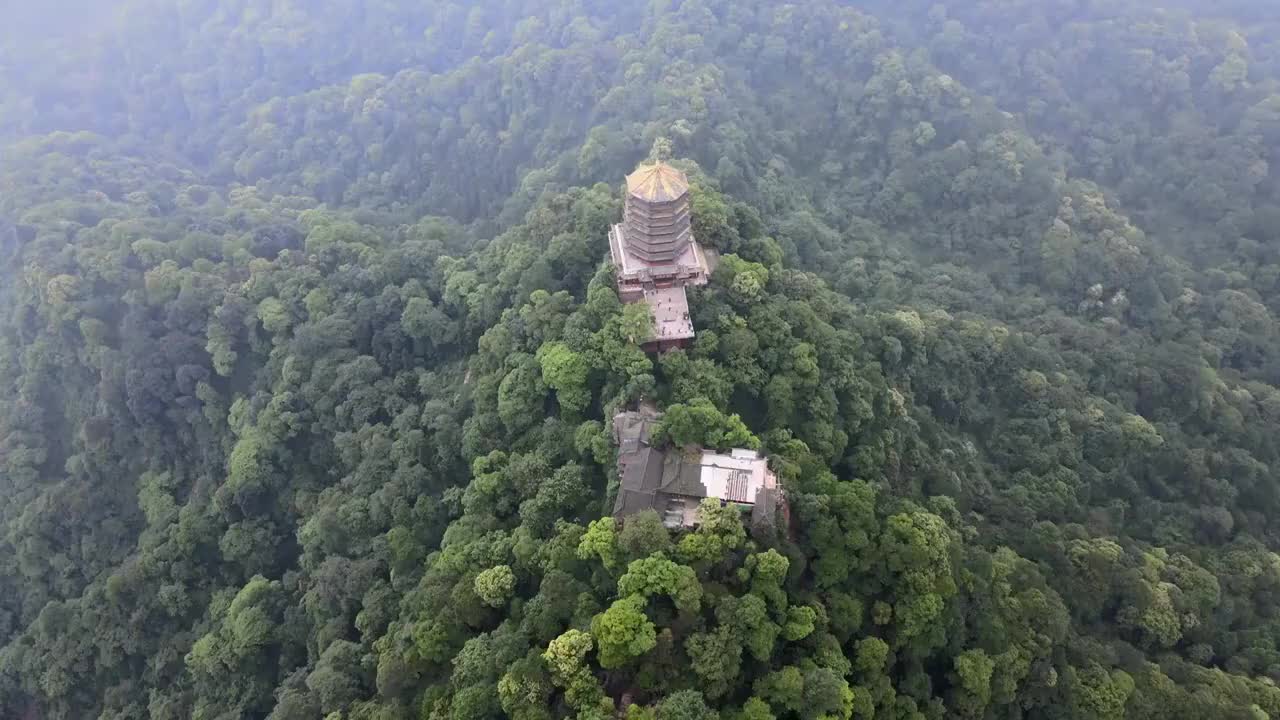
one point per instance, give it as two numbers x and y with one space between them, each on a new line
310 350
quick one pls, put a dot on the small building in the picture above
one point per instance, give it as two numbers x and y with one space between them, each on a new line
675 481
655 252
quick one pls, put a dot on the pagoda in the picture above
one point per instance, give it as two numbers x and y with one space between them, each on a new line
655 253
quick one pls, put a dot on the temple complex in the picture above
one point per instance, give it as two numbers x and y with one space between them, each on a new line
674 481
655 253
657 258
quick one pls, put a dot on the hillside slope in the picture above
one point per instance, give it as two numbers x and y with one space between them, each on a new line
310 353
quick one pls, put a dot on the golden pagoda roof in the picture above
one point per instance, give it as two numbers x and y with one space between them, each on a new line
657 183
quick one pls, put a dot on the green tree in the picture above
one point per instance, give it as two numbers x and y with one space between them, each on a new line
623 632
716 658
700 423
566 372
719 533
637 323
658 575
643 535
685 705
600 541
495 585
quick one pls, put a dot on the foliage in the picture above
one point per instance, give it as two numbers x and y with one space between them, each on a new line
701 423
310 353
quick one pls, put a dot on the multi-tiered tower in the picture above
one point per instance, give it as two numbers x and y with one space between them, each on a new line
655 252
657 221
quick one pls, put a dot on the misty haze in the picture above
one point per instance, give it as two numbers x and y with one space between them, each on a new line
651 360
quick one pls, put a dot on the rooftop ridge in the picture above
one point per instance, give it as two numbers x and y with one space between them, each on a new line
659 182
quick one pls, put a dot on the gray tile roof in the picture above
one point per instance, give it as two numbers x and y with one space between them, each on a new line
668 479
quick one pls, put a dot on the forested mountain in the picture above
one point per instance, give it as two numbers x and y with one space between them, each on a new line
309 354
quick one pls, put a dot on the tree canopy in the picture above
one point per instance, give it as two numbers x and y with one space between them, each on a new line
310 354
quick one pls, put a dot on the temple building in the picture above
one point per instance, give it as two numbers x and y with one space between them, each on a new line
655 253
674 481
